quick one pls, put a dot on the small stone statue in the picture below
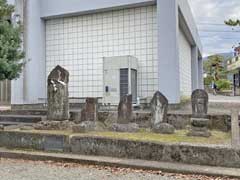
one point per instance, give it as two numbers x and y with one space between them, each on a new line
125 109
199 120
199 104
58 104
159 107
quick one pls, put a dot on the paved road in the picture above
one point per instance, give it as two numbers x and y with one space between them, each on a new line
224 99
28 170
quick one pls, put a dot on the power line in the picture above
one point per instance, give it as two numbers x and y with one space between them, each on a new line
221 38
222 31
212 24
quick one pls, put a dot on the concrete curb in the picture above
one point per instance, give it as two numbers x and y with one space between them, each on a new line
125 163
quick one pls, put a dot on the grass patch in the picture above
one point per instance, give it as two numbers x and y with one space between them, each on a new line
45 132
179 137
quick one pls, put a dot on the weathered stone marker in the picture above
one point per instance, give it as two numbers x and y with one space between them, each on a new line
235 128
199 120
90 111
159 109
125 109
57 87
88 117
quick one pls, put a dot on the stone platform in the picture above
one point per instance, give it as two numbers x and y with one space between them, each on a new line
179 119
86 144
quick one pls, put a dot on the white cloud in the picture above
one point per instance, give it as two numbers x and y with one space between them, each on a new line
207 14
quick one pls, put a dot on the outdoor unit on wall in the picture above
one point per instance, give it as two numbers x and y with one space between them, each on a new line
120 78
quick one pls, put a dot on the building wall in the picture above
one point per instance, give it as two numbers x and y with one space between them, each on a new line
73 7
31 88
79 44
185 65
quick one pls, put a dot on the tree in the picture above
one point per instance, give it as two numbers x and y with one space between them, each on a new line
11 54
215 67
231 22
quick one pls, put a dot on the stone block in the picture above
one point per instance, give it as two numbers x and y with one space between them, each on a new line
131 127
84 127
164 128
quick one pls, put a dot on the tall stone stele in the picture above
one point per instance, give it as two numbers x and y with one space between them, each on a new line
125 109
159 109
199 120
57 91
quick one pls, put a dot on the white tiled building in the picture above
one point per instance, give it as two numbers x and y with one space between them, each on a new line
78 35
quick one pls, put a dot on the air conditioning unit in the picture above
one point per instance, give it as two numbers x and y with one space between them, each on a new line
120 78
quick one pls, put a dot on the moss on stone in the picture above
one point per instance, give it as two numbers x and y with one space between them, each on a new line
179 137
217 137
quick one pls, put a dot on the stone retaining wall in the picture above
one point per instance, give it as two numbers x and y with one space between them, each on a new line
100 146
179 153
34 141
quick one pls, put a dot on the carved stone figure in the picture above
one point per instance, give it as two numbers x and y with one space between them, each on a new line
159 107
57 88
199 120
199 103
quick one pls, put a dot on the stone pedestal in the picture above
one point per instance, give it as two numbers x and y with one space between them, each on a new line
199 127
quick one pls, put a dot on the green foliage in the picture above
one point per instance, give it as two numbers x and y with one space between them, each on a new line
10 45
223 84
215 67
231 22
208 80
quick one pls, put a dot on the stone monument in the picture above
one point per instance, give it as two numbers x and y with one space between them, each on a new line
159 108
199 120
90 111
125 116
88 118
57 92
125 110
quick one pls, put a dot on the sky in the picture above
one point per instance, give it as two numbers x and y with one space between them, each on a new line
209 15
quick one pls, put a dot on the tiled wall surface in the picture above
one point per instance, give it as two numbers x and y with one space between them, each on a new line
185 65
80 43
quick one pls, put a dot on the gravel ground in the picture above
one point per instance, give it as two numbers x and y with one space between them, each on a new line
29 170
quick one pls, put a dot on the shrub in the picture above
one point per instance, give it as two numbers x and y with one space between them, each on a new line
208 80
223 84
